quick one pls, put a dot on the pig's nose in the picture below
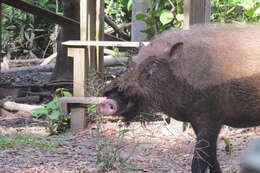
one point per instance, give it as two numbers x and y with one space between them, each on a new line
108 107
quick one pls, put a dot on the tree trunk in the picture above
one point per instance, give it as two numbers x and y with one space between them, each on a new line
64 65
139 6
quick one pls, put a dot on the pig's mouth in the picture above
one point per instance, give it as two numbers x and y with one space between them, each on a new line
110 107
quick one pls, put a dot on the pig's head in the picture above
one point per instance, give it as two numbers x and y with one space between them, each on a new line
138 91
150 84
125 97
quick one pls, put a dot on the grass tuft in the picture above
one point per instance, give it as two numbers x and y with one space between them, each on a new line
32 140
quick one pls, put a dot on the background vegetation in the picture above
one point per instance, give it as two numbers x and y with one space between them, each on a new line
165 14
29 36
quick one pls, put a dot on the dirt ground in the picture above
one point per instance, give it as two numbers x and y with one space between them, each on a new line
156 148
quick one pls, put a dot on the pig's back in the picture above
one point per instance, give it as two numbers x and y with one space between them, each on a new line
211 55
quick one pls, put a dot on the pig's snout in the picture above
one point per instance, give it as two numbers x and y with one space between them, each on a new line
108 107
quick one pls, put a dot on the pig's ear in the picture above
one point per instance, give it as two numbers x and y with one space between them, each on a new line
110 87
176 50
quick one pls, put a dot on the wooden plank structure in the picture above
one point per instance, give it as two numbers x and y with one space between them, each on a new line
86 58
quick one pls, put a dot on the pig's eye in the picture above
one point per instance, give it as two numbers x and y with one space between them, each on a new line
152 68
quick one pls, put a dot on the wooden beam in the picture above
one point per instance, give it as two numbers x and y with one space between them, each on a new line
100 15
196 12
88 28
104 43
64 101
46 14
78 118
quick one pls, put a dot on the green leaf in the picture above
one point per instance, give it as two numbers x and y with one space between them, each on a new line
129 5
149 21
67 94
250 12
140 16
180 17
122 133
228 147
230 10
227 141
53 104
166 17
92 108
40 111
155 13
54 115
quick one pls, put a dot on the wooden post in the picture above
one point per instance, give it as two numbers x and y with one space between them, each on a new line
88 58
100 35
78 118
196 12
92 29
87 28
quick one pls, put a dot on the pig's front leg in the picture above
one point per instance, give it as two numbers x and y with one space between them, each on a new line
205 149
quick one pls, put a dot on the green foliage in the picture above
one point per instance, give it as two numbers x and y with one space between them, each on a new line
235 10
166 17
162 15
29 140
26 34
118 10
56 122
165 14
110 152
